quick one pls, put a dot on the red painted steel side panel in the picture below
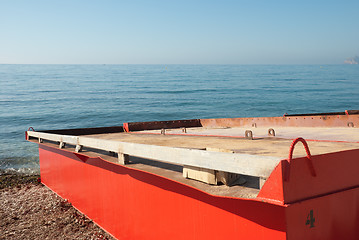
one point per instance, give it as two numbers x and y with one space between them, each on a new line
295 121
272 190
139 126
324 206
132 204
125 127
334 172
331 217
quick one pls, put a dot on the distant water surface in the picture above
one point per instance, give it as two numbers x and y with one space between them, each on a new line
73 96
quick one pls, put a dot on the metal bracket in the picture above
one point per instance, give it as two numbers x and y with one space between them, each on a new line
271 132
248 134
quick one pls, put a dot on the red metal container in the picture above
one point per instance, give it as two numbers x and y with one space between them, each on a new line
313 197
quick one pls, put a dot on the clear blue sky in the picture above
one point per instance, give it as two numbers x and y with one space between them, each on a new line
183 32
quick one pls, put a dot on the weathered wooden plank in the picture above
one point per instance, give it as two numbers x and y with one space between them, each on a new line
253 165
123 158
107 145
247 164
200 174
54 137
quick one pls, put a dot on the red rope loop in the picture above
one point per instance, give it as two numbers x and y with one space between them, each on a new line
309 156
31 128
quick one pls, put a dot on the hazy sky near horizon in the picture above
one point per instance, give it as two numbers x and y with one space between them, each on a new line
178 32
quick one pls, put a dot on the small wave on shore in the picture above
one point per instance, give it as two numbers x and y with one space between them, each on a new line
20 171
27 164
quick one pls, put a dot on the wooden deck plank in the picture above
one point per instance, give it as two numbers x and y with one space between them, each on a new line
268 146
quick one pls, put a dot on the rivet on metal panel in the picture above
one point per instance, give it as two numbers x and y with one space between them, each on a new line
163 131
184 130
350 124
271 132
248 134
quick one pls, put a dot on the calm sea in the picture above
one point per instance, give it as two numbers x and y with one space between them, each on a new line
72 96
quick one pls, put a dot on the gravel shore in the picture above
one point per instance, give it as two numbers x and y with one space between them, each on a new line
29 210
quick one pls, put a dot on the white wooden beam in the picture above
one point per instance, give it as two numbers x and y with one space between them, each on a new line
253 165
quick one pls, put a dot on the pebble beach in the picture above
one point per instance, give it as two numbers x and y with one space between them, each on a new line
29 210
